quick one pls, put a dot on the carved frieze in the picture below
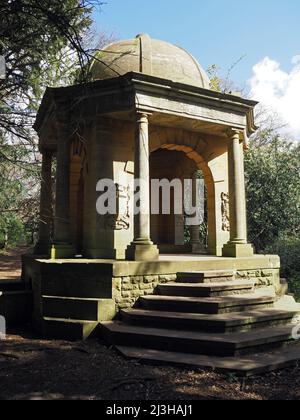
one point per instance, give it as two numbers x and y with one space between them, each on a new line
120 220
225 212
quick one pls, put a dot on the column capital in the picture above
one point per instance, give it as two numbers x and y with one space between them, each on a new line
234 133
142 117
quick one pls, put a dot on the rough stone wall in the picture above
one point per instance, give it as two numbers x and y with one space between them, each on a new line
127 290
263 277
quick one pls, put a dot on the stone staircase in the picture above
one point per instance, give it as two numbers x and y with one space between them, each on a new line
71 308
208 320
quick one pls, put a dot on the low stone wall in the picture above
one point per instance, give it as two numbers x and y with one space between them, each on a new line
263 277
125 282
127 290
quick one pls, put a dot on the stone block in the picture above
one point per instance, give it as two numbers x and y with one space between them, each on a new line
267 273
242 274
150 279
126 295
137 279
167 278
116 284
124 305
126 280
136 293
126 287
146 286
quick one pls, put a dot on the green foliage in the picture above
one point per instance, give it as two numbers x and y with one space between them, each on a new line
273 191
15 202
215 79
294 285
273 199
14 229
289 250
220 82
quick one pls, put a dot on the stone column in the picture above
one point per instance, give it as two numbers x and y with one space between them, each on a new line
142 248
43 245
195 229
237 246
63 247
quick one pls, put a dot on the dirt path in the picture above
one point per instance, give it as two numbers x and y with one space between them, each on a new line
10 264
34 369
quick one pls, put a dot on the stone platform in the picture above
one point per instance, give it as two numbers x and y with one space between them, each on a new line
82 291
228 314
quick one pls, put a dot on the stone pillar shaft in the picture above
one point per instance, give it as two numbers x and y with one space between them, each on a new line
195 229
44 241
237 246
142 248
142 172
63 247
238 233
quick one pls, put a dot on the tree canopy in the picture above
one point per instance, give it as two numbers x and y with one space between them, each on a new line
273 190
44 43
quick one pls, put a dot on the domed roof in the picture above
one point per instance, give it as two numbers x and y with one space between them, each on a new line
148 56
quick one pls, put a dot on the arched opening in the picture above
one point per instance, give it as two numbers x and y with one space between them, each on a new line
173 232
77 192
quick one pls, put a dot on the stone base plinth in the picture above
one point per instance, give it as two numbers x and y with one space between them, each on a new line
238 250
198 248
142 252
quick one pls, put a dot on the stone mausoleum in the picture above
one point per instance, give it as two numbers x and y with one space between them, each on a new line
147 113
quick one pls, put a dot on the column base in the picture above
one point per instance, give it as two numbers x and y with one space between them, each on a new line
62 251
198 248
42 248
238 250
142 252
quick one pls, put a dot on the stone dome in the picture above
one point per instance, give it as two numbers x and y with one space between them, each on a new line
148 56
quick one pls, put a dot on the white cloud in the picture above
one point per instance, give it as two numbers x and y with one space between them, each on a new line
278 90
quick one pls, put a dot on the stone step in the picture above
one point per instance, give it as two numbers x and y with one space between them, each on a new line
68 329
210 305
225 345
213 276
206 289
243 366
16 306
220 323
78 308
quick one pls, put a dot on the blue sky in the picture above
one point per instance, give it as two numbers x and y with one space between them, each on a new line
219 32
216 31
